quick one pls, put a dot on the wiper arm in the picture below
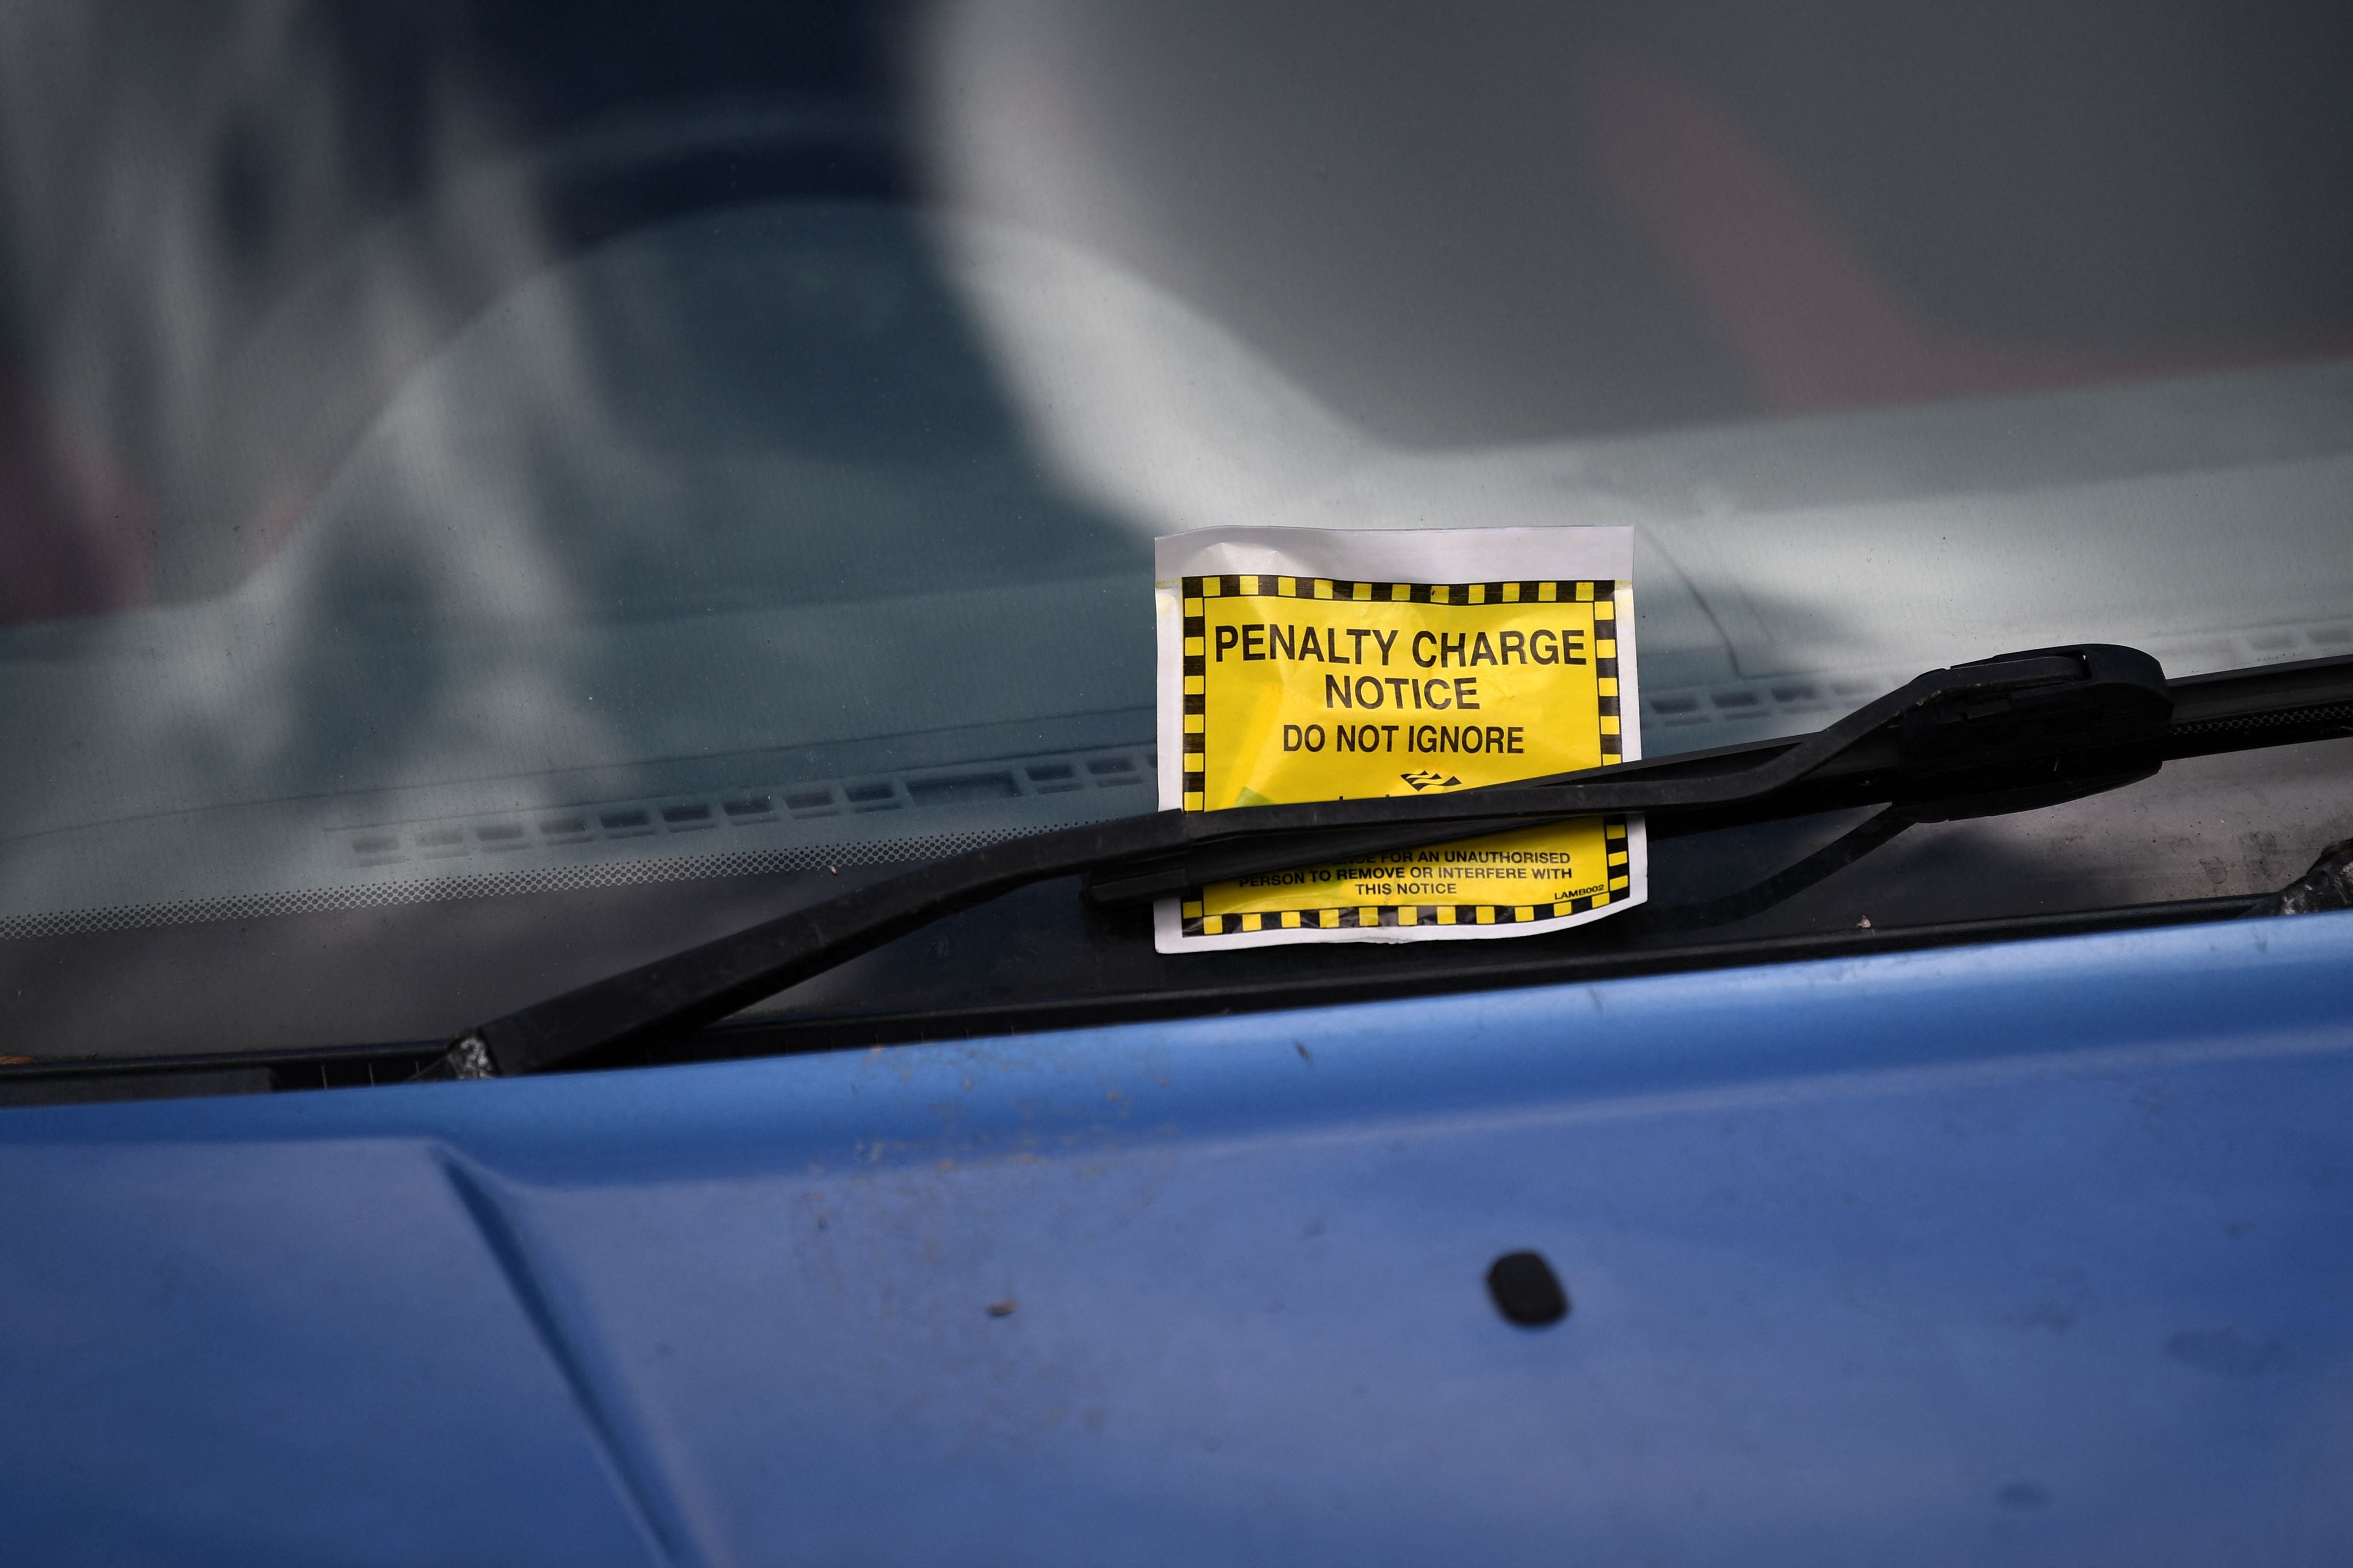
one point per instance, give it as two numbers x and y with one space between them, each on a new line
1952 734
2005 734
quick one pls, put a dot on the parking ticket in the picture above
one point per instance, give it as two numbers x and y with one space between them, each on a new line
1300 665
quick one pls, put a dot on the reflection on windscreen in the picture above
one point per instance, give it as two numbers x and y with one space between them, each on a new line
715 541
457 449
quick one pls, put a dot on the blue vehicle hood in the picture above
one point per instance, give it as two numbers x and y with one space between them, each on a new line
2038 1252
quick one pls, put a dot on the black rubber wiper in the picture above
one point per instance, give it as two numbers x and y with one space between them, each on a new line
2022 730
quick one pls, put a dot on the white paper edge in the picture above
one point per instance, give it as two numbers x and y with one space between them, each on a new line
1401 554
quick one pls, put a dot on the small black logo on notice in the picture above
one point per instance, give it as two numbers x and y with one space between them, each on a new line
1423 781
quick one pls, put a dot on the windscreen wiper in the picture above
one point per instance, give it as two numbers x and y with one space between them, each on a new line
2011 733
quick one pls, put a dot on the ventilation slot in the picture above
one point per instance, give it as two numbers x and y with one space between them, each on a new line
965 787
753 808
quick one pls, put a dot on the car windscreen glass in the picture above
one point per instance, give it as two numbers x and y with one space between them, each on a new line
458 457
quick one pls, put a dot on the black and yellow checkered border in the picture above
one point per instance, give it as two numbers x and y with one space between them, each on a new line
1601 593
1367 916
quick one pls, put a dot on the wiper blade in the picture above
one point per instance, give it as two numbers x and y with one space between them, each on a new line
2004 734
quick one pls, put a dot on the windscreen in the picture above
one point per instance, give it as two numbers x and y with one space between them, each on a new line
459 450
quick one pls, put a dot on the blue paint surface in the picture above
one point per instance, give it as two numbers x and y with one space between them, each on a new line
2037 1253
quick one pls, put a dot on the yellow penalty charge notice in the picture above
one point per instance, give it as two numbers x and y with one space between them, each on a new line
1303 664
